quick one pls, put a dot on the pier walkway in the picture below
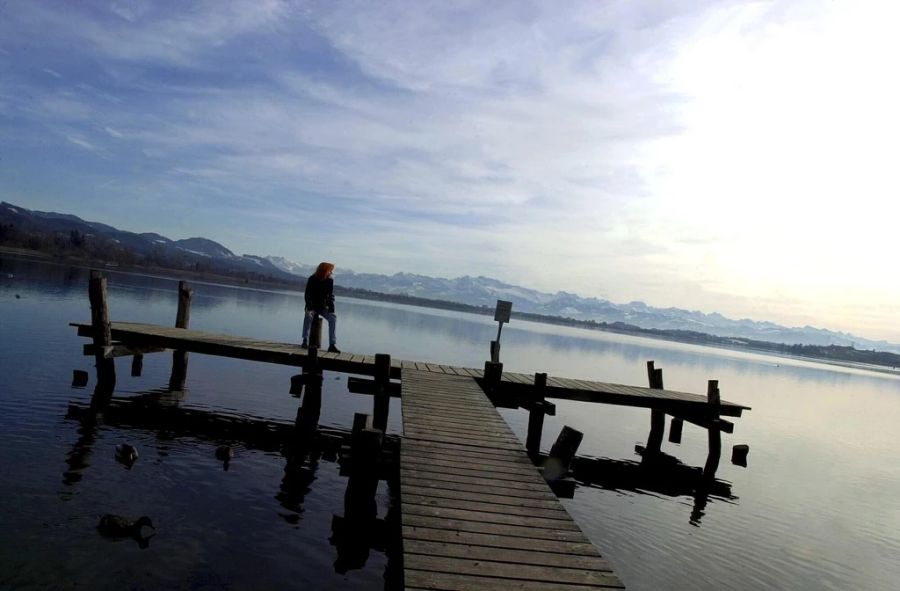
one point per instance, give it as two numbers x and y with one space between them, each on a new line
134 337
477 515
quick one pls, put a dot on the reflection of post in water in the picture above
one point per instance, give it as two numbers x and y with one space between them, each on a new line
78 456
708 418
182 319
300 465
359 530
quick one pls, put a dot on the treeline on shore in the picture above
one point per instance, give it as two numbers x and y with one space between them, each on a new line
78 248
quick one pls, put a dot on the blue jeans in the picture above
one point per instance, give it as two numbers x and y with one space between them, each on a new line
331 317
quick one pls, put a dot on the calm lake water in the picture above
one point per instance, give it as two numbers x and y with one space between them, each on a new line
818 506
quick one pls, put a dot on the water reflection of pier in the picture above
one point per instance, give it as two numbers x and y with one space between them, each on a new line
470 476
303 444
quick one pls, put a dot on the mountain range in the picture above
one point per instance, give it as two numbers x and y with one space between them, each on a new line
204 255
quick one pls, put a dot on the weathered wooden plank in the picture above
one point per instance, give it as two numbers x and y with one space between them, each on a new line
473 471
472 432
518 378
507 555
486 507
424 414
539 502
455 462
494 541
419 476
468 443
455 450
513 573
425 580
494 488
481 527
418 417
542 523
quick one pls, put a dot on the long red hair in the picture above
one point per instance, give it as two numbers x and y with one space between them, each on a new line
323 269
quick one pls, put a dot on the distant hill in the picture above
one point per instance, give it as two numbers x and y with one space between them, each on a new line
69 235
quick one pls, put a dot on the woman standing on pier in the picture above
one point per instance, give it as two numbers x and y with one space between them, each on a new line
319 297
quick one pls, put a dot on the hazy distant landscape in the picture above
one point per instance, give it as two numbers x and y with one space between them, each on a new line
71 238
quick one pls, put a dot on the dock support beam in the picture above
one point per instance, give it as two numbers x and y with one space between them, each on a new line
315 332
714 433
536 417
657 417
182 320
106 367
493 372
382 403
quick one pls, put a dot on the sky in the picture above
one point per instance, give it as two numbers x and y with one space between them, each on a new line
731 157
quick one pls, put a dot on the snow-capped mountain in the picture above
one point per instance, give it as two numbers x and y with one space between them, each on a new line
485 291
204 255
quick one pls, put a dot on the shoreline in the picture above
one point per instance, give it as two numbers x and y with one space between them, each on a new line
178 274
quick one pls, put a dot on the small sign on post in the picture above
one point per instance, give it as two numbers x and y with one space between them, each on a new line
501 315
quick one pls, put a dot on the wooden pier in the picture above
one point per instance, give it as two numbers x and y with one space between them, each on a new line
476 512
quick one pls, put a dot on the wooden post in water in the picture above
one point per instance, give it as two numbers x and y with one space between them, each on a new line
714 433
675 427
315 332
536 417
493 372
106 367
382 403
657 417
182 319
562 453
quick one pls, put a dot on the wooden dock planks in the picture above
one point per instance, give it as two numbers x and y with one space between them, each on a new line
476 513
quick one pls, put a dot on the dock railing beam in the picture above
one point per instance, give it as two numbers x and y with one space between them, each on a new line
102 335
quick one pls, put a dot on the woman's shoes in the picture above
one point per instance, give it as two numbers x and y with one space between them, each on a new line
333 349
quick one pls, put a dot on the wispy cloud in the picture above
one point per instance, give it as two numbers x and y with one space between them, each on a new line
673 152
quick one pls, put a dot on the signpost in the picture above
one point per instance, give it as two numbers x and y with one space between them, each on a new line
501 315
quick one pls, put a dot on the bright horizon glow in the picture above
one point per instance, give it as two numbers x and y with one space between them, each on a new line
730 157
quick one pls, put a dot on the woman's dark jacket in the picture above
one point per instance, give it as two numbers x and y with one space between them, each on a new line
319 294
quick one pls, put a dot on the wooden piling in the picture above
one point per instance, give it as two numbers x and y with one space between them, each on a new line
493 372
315 332
714 433
562 453
102 335
675 427
382 402
182 320
137 365
657 417
536 417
